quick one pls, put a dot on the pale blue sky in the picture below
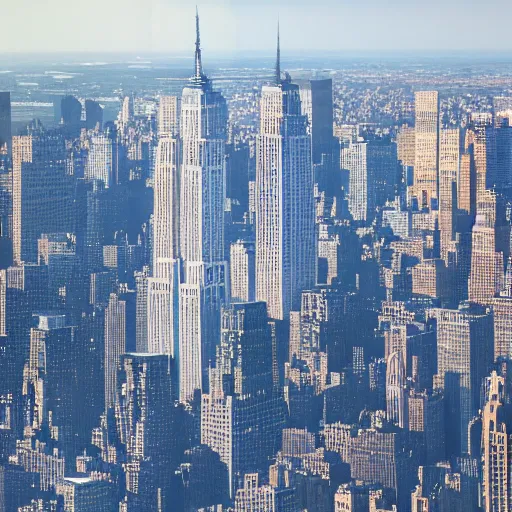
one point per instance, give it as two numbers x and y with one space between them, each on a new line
168 25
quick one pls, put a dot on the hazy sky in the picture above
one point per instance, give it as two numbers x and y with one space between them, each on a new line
168 25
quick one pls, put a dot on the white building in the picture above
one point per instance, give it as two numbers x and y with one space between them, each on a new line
285 210
203 128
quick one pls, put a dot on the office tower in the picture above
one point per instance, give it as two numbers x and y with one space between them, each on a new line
5 122
490 248
464 354
372 167
504 155
115 345
141 283
162 315
426 143
466 185
253 497
431 278
406 145
502 314
168 116
86 494
5 211
317 105
203 135
285 215
52 383
58 252
426 418
146 394
241 415
329 257
382 457
496 426
126 114
396 398
242 263
71 112
449 153
483 137
93 115
166 216
163 287
99 163
42 192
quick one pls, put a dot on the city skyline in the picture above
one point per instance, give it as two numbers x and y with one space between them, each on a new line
267 289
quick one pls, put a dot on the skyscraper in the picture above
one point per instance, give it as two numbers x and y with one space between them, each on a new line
449 153
427 145
145 404
241 416
496 437
115 345
464 355
99 163
168 115
163 286
372 167
490 248
203 135
242 271
42 192
395 390
317 104
93 115
285 214
71 111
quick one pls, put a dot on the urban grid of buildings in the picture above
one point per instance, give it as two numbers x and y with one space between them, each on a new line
210 308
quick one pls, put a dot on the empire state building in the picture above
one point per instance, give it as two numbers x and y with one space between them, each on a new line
203 129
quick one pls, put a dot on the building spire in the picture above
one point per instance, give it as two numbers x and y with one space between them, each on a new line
199 65
278 57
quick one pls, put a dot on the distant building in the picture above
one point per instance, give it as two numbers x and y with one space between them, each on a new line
93 115
71 112
99 164
426 147
372 167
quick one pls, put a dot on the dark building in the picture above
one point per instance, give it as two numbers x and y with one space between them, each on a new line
93 115
147 432
71 115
